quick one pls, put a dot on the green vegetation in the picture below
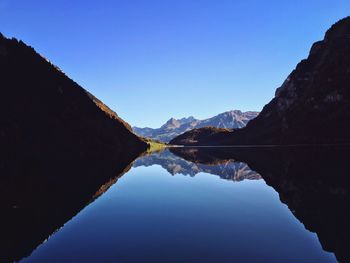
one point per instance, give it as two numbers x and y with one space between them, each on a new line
155 146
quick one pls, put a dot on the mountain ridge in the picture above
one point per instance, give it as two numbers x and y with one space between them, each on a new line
174 127
39 95
60 147
312 106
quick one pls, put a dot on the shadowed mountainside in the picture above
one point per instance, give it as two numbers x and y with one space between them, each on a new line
312 181
311 107
60 148
206 136
43 111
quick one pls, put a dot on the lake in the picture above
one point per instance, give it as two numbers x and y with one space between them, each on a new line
195 205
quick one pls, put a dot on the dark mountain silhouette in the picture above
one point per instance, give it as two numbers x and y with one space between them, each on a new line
174 127
312 181
311 107
203 136
43 110
60 148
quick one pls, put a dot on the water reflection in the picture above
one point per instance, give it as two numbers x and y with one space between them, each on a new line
39 195
226 169
313 182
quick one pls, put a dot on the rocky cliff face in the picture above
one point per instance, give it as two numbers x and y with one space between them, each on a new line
313 104
174 127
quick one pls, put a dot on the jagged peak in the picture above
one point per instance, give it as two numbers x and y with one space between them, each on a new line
237 112
172 122
186 119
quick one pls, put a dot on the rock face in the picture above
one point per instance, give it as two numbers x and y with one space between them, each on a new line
60 149
174 127
313 104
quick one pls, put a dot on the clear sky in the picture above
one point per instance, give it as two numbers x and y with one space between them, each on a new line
150 60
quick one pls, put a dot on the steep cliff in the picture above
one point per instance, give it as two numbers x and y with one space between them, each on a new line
313 104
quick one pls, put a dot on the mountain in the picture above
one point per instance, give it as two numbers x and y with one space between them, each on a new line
174 127
60 147
43 110
176 162
208 136
311 107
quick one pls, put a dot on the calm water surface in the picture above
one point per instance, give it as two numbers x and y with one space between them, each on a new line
167 209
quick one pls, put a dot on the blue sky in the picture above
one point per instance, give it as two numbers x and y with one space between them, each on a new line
155 59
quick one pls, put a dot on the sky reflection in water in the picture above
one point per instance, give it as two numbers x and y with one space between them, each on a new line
149 215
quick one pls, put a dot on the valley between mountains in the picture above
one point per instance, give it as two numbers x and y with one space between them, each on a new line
62 148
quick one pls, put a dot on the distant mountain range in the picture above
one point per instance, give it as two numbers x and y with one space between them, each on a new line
174 127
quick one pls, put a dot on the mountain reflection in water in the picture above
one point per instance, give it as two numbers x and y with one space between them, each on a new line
313 182
226 169
39 195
